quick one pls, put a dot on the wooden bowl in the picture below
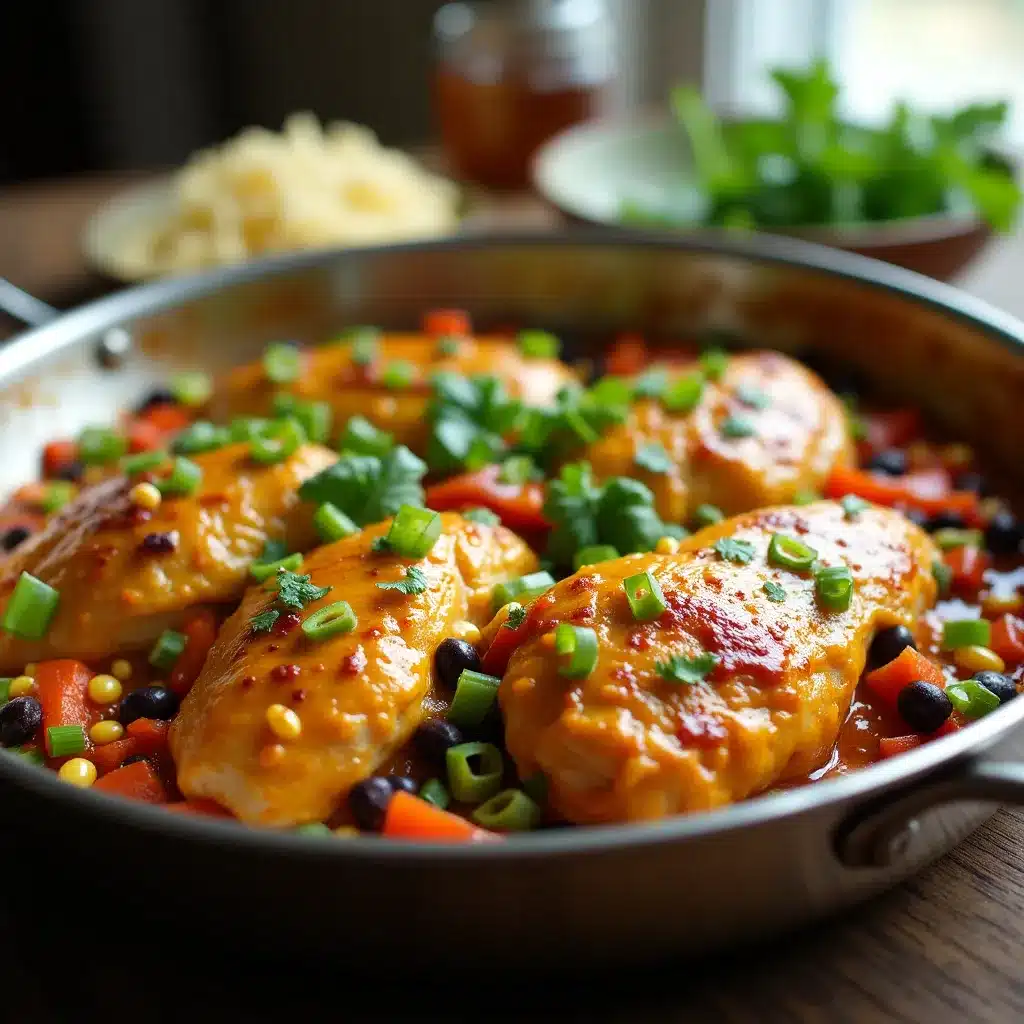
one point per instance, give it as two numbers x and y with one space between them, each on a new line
588 170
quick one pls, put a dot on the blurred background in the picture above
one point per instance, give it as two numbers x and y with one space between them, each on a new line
103 95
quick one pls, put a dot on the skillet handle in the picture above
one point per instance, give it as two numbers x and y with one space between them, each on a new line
878 836
25 308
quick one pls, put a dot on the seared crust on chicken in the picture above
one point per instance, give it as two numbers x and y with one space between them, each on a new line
359 695
629 741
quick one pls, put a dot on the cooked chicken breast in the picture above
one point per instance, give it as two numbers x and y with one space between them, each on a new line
766 430
125 574
358 695
635 739
329 375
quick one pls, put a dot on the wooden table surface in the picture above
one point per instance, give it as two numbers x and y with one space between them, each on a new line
947 946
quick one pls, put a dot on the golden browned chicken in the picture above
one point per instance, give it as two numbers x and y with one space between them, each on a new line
733 688
768 429
392 391
125 573
356 696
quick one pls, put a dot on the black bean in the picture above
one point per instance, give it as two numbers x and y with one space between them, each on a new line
402 782
888 644
893 461
153 701
72 471
158 396
972 481
995 682
945 521
1004 534
368 801
11 538
159 543
451 658
923 706
19 720
434 737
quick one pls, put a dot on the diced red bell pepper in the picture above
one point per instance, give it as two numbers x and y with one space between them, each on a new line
496 658
969 565
58 455
906 668
1008 639
145 736
518 505
627 356
63 691
167 417
200 631
440 323
144 436
913 491
954 723
890 746
894 428
136 781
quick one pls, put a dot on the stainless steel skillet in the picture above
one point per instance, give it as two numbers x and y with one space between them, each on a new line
586 895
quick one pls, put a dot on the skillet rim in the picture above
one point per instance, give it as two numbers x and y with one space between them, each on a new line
34 346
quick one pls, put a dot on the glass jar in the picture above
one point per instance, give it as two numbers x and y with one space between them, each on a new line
513 73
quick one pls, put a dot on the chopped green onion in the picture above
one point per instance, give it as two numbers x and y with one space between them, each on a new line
538 344
577 647
474 771
508 811
98 446
517 470
363 438
790 553
283 404
483 516
834 587
245 428
713 363
651 383
144 462
31 608
806 497
950 538
200 436
774 591
192 388
684 393
332 524
315 418
282 362
852 505
5 689
943 576
167 650
433 792
56 494
261 570
184 478
736 426
593 554
971 698
644 595
65 740
475 694
398 374
365 342
654 458
448 346
525 588
33 755
313 828
611 392
413 532
278 442
707 515
330 620
966 633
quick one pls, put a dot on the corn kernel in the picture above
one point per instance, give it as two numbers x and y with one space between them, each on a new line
271 755
106 732
121 669
284 723
145 495
548 640
31 669
994 605
78 771
21 686
104 689
978 659
463 630
667 546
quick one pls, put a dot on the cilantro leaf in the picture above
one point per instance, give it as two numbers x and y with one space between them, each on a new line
415 582
484 516
736 426
653 458
685 669
297 591
516 616
774 591
738 551
626 517
264 622
852 504
380 544
369 488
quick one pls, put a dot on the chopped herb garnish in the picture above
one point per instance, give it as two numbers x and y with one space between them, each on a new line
651 383
774 591
398 375
448 346
297 591
483 516
415 582
365 342
713 362
538 344
683 394
852 505
686 669
943 576
806 497
752 396
653 458
736 426
518 470
516 616
732 550
264 622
